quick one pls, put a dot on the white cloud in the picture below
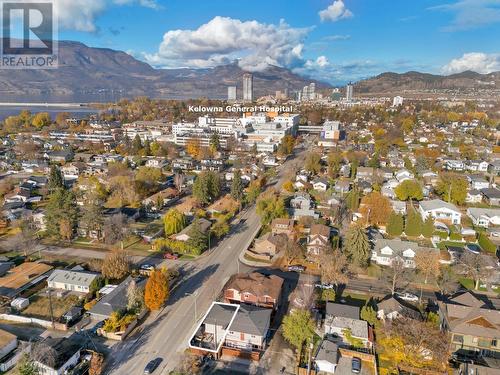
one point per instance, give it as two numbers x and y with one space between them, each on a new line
80 15
475 61
470 14
335 12
224 39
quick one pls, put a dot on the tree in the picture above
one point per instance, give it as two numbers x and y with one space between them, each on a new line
41 120
198 240
351 340
207 187
214 143
375 208
395 224
271 206
409 189
96 364
414 223
428 227
447 281
178 181
356 246
116 265
288 186
237 186
415 344
298 328
313 163
286 146
293 250
475 266
136 144
352 199
157 290
427 263
396 276
61 213
115 228
135 297
334 268
452 188
26 366
369 314
193 148
174 221
92 215
56 180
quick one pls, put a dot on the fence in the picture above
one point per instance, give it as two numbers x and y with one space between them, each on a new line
40 322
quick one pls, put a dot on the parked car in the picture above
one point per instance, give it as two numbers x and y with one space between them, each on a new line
356 365
407 297
173 256
296 268
147 267
324 286
152 365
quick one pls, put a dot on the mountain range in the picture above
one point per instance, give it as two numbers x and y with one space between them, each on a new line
87 74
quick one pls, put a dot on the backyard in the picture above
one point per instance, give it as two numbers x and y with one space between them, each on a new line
39 306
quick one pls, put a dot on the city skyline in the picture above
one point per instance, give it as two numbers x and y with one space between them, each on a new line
333 41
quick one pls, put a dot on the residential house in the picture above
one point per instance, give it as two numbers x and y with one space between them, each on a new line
184 235
398 207
478 182
320 184
72 280
66 352
403 175
454 165
269 245
477 165
235 330
385 251
115 300
8 345
343 320
255 289
301 205
318 240
474 196
22 277
156 162
327 356
60 156
484 217
364 173
491 196
391 308
474 325
441 211
494 167
342 186
284 226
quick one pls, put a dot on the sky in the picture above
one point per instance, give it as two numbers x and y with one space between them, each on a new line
330 40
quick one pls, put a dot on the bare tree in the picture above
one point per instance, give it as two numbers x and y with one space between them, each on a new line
447 281
116 265
115 228
396 276
475 266
427 263
44 353
179 181
293 251
334 268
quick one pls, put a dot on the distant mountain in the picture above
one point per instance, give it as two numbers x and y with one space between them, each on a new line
424 82
101 74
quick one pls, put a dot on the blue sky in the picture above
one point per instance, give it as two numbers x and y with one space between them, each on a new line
332 40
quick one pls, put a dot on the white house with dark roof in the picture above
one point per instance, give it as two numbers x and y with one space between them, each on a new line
385 251
340 318
440 211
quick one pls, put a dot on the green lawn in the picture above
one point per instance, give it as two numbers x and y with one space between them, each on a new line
469 284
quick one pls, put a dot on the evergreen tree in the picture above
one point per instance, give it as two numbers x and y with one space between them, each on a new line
207 187
237 186
428 227
136 144
61 209
198 240
56 180
413 227
147 148
214 143
395 224
356 246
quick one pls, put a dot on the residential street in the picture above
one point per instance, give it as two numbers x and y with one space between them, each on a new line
165 333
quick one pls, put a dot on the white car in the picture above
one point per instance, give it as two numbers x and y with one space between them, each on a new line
407 297
324 286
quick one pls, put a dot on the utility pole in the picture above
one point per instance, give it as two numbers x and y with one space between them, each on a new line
50 308
194 295
309 360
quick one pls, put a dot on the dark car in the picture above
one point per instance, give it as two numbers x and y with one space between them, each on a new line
356 365
152 365
296 268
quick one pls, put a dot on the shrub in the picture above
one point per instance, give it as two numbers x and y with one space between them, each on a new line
486 244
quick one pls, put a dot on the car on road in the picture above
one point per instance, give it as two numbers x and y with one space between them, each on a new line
356 365
172 256
152 365
147 267
324 286
296 268
407 297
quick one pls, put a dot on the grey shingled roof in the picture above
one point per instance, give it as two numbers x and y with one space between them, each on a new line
341 310
328 351
72 277
435 204
252 320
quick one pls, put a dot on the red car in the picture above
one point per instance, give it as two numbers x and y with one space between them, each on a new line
171 256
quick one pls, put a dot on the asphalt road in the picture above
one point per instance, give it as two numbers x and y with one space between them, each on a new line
165 334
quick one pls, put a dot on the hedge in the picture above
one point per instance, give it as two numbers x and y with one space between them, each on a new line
486 244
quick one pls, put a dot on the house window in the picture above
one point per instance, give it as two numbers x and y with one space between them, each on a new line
458 339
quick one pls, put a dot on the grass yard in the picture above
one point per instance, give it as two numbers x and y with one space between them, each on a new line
469 284
40 306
